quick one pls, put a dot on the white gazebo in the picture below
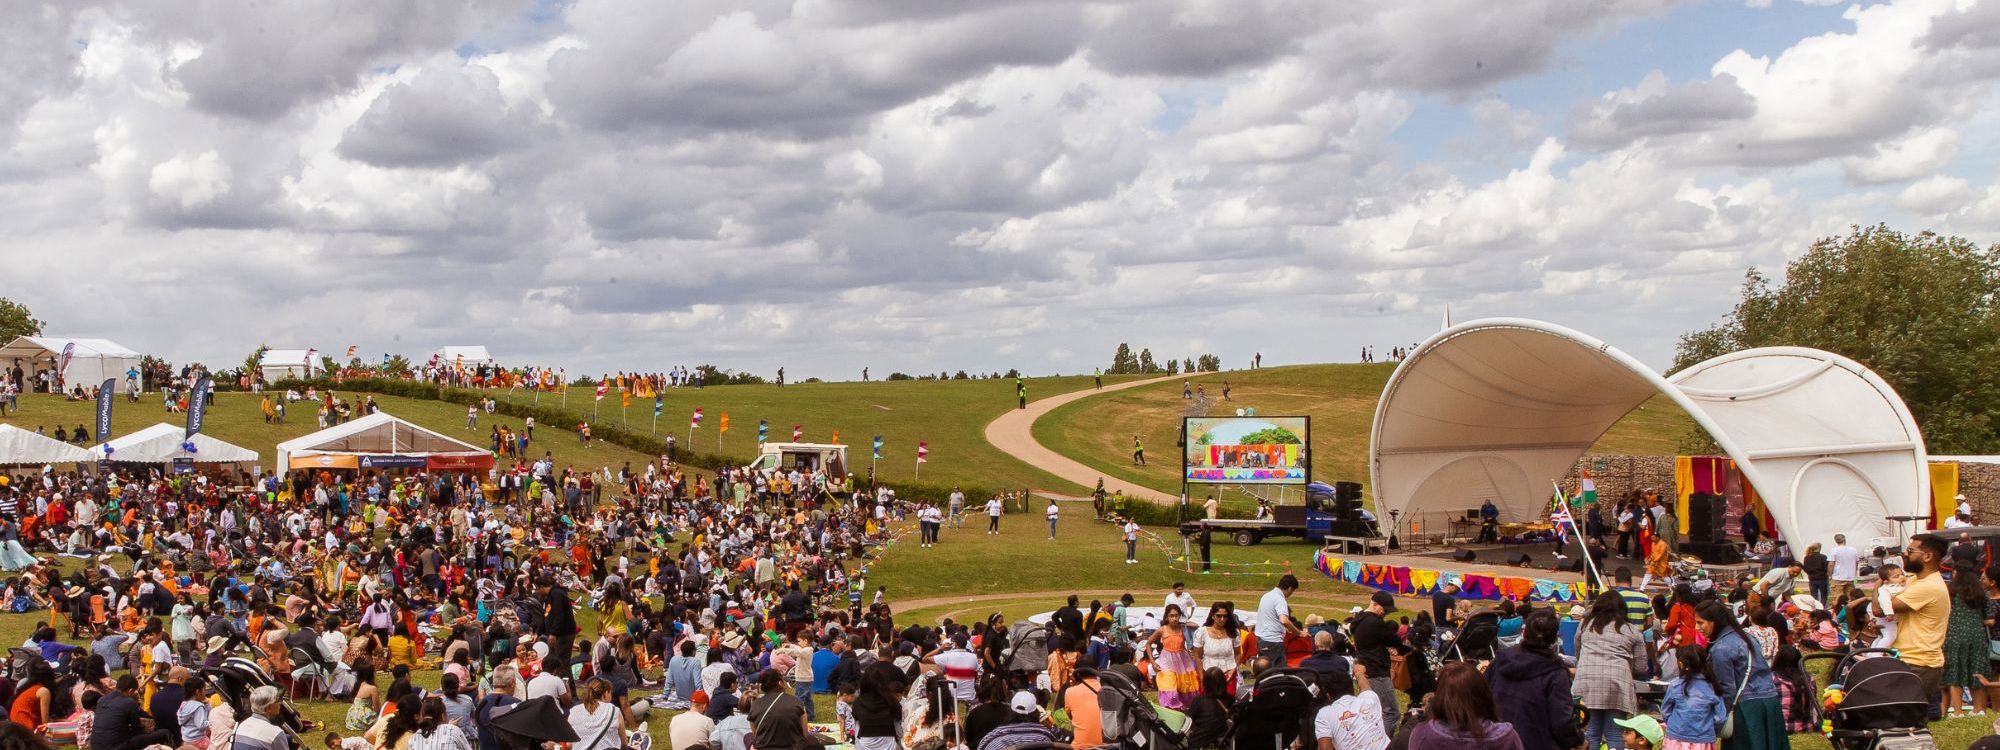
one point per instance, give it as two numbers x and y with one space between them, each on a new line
91 361
278 364
470 356
20 447
380 441
165 443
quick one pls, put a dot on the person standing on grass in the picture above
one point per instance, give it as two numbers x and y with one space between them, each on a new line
957 501
1274 620
1138 452
993 508
1131 529
1816 566
1846 566
1052 512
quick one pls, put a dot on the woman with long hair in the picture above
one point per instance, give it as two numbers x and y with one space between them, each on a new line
1610 657
1208 717
1176 672
1219 646
1461 715
33 699
1743 681
1796 693
1532 685
1966 652
1680 629
363 710
599 724
399 729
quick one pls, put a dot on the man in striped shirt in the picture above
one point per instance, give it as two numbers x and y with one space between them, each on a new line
1638 608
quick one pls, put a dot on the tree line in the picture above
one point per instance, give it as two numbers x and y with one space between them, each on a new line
1123 362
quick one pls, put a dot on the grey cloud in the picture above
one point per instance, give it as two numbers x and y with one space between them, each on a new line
38 55
1460 46
1204 38
259 60
1660 110
446 116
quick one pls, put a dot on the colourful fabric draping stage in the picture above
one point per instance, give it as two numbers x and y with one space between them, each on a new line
1944 488
1718 475
1420 582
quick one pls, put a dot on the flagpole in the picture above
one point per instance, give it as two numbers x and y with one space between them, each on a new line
920 468
1583 546
655 432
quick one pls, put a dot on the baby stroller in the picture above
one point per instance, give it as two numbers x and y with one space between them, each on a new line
1478 639
1267 717
1881 702
236 677
1129 719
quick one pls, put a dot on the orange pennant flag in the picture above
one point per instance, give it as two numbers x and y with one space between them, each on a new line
725 421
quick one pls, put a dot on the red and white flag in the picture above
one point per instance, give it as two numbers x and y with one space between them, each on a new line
603 387
695 421
350 351
923 449
798 431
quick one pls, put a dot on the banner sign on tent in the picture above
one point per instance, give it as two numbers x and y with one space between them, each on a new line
62 363
459 463
104 410
197 407
394 462
183 466
296 463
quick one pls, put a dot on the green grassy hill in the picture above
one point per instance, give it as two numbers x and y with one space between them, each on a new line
949 415
1339 398
235 418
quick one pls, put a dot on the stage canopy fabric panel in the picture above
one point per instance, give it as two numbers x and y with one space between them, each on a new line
20 447
1498 409
163 443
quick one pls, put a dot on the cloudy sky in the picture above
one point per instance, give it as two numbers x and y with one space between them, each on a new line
933 184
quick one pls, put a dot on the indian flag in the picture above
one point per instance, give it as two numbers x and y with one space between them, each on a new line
1587 490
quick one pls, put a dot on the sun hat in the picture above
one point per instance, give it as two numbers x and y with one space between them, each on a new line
1645 726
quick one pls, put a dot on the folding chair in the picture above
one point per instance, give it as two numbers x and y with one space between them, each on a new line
309 673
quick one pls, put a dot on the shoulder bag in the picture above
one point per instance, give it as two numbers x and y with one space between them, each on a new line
1749 664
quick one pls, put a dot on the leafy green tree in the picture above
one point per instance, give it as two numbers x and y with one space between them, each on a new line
1189 366
1146 364
1209 363
254 364
1173 367
398 365
1122 362
1923 311
16 321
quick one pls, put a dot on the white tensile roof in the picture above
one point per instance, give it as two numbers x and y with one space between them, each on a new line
162 443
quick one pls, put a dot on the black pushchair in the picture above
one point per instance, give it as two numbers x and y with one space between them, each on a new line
1129 719
1885 707
1276 709
235 677
1478 639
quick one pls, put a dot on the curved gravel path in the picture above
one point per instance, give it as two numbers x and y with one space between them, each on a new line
1013 434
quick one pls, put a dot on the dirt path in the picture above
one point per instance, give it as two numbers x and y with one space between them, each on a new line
1013 434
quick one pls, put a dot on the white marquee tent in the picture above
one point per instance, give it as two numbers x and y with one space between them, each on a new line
1497 409
90 363
162 444
20 447
466 355
278 364
374 439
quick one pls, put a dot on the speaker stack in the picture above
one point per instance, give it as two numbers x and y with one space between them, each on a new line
1708 530
1347 520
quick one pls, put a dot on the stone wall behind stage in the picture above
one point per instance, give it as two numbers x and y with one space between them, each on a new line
1617 475
1980 484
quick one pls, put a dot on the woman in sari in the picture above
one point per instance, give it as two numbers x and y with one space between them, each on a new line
1176 671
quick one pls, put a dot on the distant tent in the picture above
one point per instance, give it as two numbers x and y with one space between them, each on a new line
90 362
381 441
278 364
163 443
20 447
464 355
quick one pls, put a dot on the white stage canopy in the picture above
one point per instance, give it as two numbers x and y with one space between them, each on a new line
20 447
90 362
162 444
1497 409
278 364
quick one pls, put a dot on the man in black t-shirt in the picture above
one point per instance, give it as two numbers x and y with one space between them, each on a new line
1444 604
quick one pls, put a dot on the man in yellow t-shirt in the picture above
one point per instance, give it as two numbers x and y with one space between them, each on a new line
1922 612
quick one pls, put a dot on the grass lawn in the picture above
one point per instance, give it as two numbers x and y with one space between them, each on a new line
949 415
236 418
1340 399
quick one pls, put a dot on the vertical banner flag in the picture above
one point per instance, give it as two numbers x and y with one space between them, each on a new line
197 410
351 349
627 396
798 431
695 421
836 437
878 447
659 404
763 431
104 409
923 449
62 364
603 388
724 425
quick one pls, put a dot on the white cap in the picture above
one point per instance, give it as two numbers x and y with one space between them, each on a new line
1024 703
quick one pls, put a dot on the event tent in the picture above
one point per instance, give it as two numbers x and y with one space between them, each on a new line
380 441
464 355
23 447
90 362
1499 409
163 444
278 364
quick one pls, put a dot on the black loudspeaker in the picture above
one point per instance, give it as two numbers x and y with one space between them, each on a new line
1464 555
1714 553
1706 524
1347 491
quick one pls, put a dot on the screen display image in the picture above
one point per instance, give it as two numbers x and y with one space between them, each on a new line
1246 450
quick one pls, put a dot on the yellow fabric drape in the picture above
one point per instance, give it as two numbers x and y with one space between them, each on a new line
1683 487
1944 487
